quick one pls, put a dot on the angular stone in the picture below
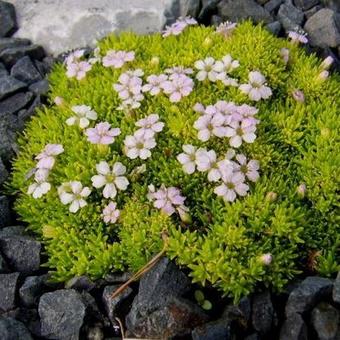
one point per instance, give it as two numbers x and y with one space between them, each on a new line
117 277
12 231
325 320
3 173
14 103
305 4
21 252
336 289
272 5
10 85
216 20
294 328
80 283
3 70
25 71
8 21
214 330
182 8
40 88
10 56
323 28
290 17
8 290
209 7
31 290
312 11
238 314
5 213
243 9
23 115
274 27
62 314
13 42
3 265
8 124
263 313
11 329
311 290
112 305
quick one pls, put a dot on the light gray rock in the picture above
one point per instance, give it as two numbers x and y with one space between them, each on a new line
77 24
290 16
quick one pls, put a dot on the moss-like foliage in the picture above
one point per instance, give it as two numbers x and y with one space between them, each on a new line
224 243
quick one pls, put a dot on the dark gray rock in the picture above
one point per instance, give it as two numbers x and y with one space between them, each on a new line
8 290
262 2
312 11
112 305
11 329
3 70
253 336
290 17
62 314
80 283
40 88
323 28
243 9
117 277
10 56
177 318
209 7
14 103
13 42
8 22
21 252
23 115
3 265
336 289
214 330
95 333
274 27
3 174
216 20
25 71
238 314
31 290
294 328
272 5
5 213
325 320
263 313
182 8
311 290
10 85
332 4
8 146
305 4
12 231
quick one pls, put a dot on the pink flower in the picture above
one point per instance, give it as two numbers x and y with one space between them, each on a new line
256 87
226 28
177 70
110 213
245 113
298 37
266 259
102 134
209 125
175 29
46 157
74 56
240 132
250 169
206 69
154 85
225 108
298 95
188 20
198 107
138 145
41 186
301 190
188 158
233 185
78 70
117 59
179 86
167 199
150 125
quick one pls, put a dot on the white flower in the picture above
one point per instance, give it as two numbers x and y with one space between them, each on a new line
256 87
188 158
154 85
46 157
111 180
41 186
240 132
83 116
110 213
150 125
206 69
250 169
74 194
208 125
233 185
224 67
138 145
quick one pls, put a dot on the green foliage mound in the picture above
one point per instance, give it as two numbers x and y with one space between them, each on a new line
264 238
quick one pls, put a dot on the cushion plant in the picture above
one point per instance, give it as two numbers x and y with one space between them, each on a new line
226 140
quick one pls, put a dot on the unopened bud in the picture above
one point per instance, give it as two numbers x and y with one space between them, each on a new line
59 101
284 52
298 95
266 259
271 196
323 75
207 42
184 215
325 132
154 61
301 190
326 64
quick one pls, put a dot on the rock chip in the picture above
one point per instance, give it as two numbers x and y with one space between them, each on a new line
290 17
21 252
11 329
80 283
311 290
263 313
40 88
5 213
8 290
306 4
294 328
274 27
13 42
272 5
336 289
243 9
62 314
323 28
325 320
10 56
8 21
14 103
31 290
214 330
10 85
25 71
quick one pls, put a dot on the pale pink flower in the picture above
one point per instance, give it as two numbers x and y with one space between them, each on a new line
225 108
256 87
206 69
298 95
233 185
327 63
83 115
102 133
110 213
188 20
47 157
224 67
74 56
150 125
138 145
284 52
240 132
178 87
117 59
323 75
176 70
188 158
78 70
301 190
41 186
298 37
75 194
248 169
175 29
245 113
198 107
110 179
226 28
59 101
154 85
167 199
210 125
266 259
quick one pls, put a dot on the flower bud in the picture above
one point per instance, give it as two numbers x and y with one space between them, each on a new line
301 190
59 101
266 259
271 196
184 215
284 52
298 95
326 64
207 42
325 132
323 75
154 61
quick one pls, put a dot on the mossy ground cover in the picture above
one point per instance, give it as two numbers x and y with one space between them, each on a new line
224 242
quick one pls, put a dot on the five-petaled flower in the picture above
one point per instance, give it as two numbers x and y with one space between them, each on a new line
139 145
154 85
111 213
226 28
102 133
117 59
210 125
78 69
46 158
188 158
83 115
74 194
150 125
41 186
238 132
177 87
224 67
248 169
206 69
233 185
256 87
